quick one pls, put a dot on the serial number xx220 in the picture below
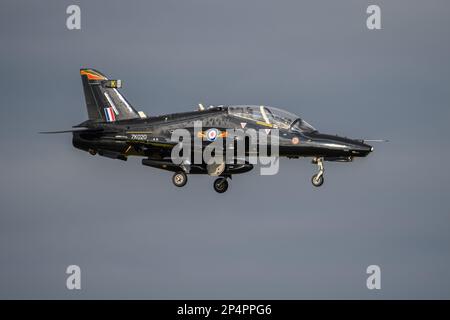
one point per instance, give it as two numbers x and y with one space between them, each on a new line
140 137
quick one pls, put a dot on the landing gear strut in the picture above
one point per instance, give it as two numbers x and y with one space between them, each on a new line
317 179
179 179
220 185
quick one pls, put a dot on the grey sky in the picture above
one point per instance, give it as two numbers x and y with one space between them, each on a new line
135 235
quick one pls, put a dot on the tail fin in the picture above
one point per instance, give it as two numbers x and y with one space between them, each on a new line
103 101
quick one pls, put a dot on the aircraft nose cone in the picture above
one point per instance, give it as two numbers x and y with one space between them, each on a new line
341 146
362 149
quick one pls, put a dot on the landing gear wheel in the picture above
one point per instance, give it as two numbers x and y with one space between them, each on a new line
179 179
221 185
317 180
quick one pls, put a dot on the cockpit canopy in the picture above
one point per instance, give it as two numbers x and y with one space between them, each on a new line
275 117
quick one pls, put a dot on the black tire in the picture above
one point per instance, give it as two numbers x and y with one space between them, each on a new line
317 182
220 185
179 179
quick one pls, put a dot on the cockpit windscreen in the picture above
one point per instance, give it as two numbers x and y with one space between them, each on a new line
275 117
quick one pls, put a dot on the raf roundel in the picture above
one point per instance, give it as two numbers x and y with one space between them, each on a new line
212 134
295 140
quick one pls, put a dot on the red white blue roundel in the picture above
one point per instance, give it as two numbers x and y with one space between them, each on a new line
211 134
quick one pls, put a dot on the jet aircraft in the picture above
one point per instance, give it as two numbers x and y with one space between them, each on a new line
117 130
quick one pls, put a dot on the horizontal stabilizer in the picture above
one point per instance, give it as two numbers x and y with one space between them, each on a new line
73 130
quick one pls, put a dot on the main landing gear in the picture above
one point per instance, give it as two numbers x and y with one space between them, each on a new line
220 185
317 179
179 179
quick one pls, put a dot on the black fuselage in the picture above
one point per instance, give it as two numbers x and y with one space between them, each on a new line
151 137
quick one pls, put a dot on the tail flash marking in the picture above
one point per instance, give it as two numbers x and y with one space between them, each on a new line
109 113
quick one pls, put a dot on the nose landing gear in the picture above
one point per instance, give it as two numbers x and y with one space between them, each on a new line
317 179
